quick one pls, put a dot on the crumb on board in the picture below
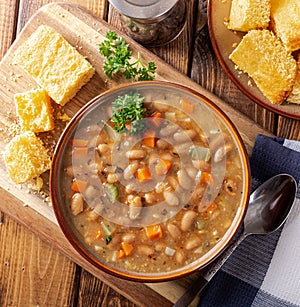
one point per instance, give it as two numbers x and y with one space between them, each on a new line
63 117
36 184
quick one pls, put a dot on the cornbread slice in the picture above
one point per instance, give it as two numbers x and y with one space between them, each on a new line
25 157
246 15
294 96
264 58
34 110
285 22
54 64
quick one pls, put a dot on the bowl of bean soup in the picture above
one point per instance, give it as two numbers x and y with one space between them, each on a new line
150 181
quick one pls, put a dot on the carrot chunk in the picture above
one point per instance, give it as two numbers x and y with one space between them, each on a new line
99 234
149 138
206 178
120 254
143 174
187 106
153 232
127 248
79 185
162 167
155 119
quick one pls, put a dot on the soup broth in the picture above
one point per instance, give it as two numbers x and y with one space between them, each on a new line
156 199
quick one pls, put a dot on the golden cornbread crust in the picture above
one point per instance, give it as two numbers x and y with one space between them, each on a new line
246 15
285 22
25 157
54 64
263 56
34 110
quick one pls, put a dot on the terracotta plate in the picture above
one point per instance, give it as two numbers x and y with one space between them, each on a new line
223 41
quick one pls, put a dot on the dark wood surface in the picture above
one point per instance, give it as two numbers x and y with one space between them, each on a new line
33 271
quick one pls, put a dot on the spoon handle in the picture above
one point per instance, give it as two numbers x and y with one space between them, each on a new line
198 285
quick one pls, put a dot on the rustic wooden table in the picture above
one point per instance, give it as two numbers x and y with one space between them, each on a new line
34 268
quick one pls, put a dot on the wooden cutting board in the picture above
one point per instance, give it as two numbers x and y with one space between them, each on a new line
85 32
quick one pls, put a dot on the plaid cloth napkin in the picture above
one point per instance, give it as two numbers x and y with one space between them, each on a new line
264 270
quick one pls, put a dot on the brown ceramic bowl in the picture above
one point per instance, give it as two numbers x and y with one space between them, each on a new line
143 226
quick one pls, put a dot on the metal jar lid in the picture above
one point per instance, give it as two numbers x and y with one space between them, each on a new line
144 9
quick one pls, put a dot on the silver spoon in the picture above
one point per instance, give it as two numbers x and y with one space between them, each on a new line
269 206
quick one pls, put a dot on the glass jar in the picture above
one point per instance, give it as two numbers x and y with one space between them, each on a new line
152 22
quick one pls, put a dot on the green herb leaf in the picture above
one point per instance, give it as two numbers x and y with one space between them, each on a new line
128 112
108 239
118 60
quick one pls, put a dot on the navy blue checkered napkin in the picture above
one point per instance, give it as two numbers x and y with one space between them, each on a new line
264 270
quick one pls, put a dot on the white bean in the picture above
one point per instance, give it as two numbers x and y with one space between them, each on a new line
94 214
76 204
171 198
192 172
173 182
130 170
184 135
184 179
136 154
187 220
222 152
168 130
154 157
159 246
135 206
128 237
174 231
162 144
150 198
104 148
192 242
145 250
90 192
166 156
179 256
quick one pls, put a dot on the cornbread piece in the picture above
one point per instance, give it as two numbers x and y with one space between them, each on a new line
285 22
264 58
54 64
34 110
246 15
294 96
25 157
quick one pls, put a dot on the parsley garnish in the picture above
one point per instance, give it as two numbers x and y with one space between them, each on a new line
128 113
118 57
108 239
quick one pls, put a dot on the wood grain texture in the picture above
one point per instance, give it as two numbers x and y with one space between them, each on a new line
32 272
8 17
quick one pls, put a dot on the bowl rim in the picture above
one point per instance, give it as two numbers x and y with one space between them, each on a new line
146 277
